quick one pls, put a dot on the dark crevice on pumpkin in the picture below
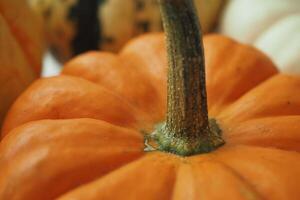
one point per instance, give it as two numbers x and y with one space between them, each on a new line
187 130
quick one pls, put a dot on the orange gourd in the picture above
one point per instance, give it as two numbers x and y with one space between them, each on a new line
21 49
79 135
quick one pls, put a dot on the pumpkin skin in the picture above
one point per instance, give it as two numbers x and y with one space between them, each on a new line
76 136
276 29
21 50
76 26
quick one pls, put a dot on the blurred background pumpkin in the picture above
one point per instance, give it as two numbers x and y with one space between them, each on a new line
271 25
76 26
21 50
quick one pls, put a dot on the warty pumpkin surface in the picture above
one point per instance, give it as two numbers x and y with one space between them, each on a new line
21 49
79 135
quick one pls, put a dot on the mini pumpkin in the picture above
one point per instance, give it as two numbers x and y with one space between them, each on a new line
78 135
276 32
76 26
21 48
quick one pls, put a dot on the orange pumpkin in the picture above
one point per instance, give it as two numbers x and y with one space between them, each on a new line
21 49
78 135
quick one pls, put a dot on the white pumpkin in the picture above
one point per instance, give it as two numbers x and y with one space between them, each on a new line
271 25
282 43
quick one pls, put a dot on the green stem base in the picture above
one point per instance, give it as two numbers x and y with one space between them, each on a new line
164 140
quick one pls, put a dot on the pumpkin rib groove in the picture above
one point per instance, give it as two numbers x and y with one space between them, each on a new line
231 104
239 78
60 177
177 195
276 96
260 167
198 165
240 177
103 187
172 193
249 187
269 132
73 90
109 75
147 116
49 131
132 149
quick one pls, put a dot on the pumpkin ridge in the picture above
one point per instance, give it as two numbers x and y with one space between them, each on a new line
37 132
240 177
62 94
143 117
16 72
100 190
251 191
270 131
147 96
279 88
243 69
153 83
269 168
22 37
95 162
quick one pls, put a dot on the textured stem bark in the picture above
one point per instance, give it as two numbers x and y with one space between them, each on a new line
187 107
187 129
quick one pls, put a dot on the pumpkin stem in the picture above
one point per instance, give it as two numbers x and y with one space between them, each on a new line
187 130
